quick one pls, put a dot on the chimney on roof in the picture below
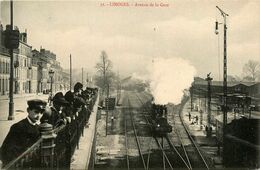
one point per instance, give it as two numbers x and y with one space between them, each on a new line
24 37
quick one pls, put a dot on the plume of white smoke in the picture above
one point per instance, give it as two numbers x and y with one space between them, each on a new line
169 78
139 77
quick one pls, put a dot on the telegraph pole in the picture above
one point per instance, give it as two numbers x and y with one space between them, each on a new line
106 105
87 80
70 73
191 95
209 129
82 76
224 81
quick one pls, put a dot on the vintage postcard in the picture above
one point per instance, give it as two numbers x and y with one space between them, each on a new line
129 84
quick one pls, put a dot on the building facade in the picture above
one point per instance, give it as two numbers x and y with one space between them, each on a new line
4 65
24 82
31 69
46 61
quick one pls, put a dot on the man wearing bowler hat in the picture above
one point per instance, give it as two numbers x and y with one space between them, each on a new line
57 115
23 134
78 87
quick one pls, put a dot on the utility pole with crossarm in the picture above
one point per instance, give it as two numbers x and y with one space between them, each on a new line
224 80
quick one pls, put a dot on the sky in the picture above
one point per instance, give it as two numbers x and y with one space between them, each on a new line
134 36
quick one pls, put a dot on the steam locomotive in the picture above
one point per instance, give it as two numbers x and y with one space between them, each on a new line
160 125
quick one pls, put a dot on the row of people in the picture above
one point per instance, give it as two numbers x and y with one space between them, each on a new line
26 132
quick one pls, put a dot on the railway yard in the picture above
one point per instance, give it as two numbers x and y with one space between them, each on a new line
128 141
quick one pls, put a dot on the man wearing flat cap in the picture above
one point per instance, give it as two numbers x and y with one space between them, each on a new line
57 116
25 133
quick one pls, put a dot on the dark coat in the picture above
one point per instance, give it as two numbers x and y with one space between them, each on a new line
55 118
21 136
52 118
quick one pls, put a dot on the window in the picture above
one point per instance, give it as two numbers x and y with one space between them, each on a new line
0 86
6 85
3 67
7 68
3 82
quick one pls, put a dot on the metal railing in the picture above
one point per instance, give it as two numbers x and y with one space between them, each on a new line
25 159
56 146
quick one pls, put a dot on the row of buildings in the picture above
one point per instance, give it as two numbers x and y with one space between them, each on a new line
243 99
31 69
241 147
239 94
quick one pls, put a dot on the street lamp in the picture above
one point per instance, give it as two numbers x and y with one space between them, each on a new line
11 42
51 74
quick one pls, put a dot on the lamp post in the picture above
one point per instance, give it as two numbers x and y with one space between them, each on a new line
51 74
11 42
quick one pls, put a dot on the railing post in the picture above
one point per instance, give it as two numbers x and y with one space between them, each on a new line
47 145
78 130
68 146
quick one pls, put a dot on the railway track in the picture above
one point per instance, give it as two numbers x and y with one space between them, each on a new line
189 152
141 149
130 135
165 158
170 155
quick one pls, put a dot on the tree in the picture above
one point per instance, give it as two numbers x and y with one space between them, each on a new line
248 79
251 70
104 68
233 78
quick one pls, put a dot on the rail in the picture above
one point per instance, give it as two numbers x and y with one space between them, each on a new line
187 163
175 149
21 160
126 144
56 146
183 148
164 154
190 137
136 136
156 140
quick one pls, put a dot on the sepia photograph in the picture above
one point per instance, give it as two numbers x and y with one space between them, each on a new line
129 84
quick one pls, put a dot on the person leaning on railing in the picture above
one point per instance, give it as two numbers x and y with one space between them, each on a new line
75 104
78 103
23 134
69 97
57 115
78 88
